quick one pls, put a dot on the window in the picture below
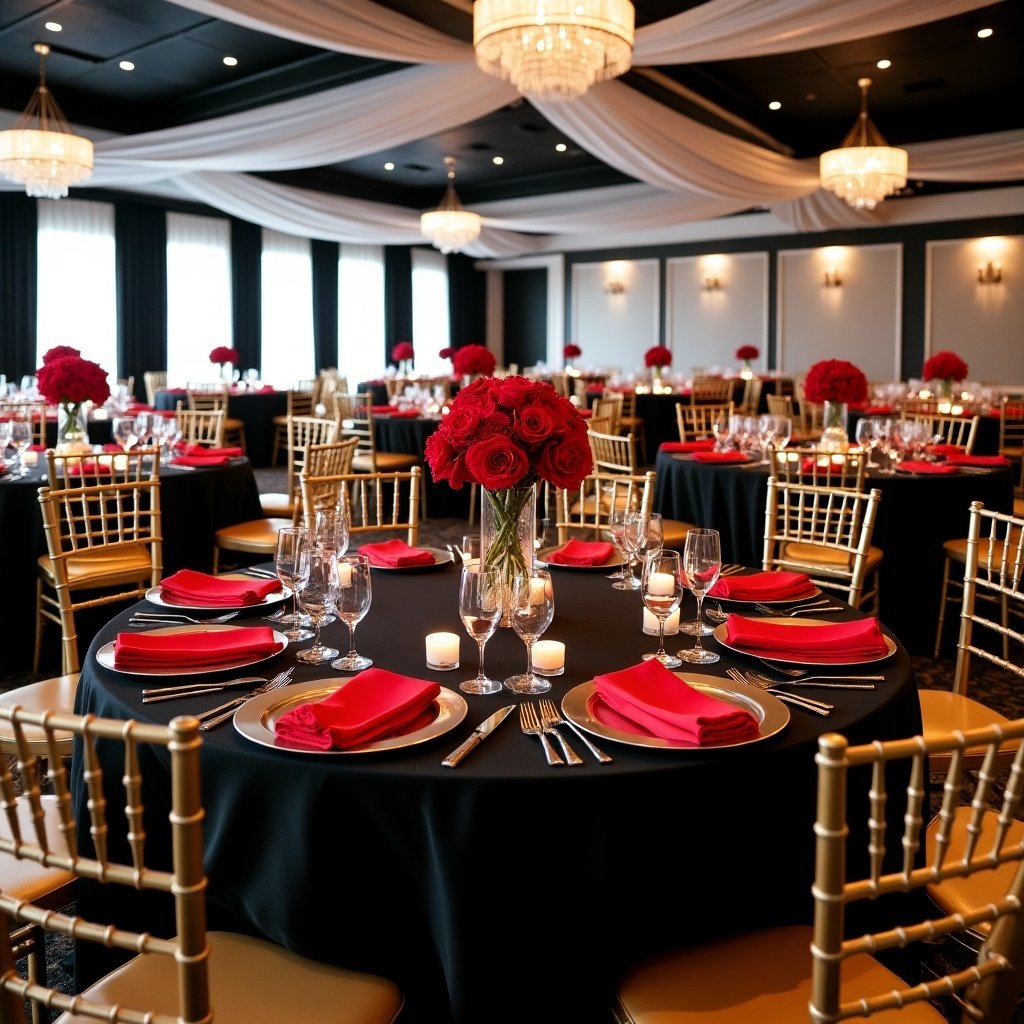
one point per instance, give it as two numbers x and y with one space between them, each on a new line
361 312
286 350
198 295
77 277
430 323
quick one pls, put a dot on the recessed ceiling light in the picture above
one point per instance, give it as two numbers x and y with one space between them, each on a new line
499 160
126 65
231 61
53 26
775 105
883 64
561 147
389 166
984 33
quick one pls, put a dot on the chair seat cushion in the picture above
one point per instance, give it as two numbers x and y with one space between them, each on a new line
276 504
106 567
943 711
818 555
674 531
387 462
254 535
956 549
25 879
54 694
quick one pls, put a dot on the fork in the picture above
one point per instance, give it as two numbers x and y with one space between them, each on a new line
224 711
548 710
141 617
549 721
818 707
823 608
530 724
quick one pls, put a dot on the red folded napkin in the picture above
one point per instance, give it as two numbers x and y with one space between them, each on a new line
208 648
395 554
705 444
977 460
763 586
648 695
405 414
928 468
3 468
199 461
720 457
878 410
95 468
37 447
581 552
113 449
211 453
372 704
187 586
945 450
862 637
382 410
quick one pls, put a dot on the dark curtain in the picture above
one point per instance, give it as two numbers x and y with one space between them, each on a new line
325 303
140 233
397 298
526 303
18 253
246 291
467 302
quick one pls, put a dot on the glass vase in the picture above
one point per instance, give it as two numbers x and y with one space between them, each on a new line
73 428
508 524
834 418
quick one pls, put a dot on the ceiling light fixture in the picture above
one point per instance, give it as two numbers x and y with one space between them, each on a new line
553 49
450 227
40 151
865 169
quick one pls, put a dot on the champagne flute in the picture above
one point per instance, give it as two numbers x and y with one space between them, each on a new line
480 610
317 593
662 593
533 608
702 563
289 566
352 604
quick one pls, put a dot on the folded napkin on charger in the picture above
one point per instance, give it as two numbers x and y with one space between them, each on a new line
396 554
208 648
705 444
877 410
199 461
206 452
382 410
93 467
648 695
764 586
833 640
405 414
977 460
371 705
581 552
945 450
928 468
720 457
187 586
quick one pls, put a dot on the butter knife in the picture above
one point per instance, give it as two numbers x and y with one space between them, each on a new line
479 734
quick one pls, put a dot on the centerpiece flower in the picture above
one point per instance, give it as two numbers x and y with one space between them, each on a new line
835 384
506 434
68 381
474 361
447 352
226 358
571 352
745 353
947 367
657 355
403 353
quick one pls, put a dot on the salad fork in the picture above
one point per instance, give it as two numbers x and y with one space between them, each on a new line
549 722
224 711
550 711
530 724
817 707
142 618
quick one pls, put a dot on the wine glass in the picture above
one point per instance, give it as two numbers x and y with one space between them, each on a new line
20 440
636 539
289 565
123 431
617 531
317 592
480 610
533 608
782 431
352 604
662 591
866 436
5 437
702 563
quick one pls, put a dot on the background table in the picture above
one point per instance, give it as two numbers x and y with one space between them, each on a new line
504 890
986 440
915 516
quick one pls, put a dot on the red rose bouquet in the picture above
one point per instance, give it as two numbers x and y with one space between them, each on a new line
403 351
68 381
571 351
747 352
944 366
835 380
223 354
474 359
447 352
59 352
657 355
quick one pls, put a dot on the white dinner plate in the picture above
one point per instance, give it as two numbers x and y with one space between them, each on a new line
154 596
256 717
804 659
105 655
441 557
615 561
582 706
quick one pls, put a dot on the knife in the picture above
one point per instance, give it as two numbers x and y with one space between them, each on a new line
479 734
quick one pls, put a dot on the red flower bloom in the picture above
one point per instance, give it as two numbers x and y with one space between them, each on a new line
472 359
71 380
944 365
59 352
402 351
224 354
571 351
447 352
835 380
657 355
747 352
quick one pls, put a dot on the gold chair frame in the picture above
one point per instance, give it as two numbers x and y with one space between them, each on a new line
302 431
613 452
33 411
697 421
371 501
200 426
711 389
949 429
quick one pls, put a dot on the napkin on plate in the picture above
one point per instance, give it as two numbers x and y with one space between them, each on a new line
199 461
720 457
652 697
396 554
705 444
928 468
93 467
945 450
206 452
764 586
207 648
405 414
833 640
382 410
373 704
978 460
581 552
189 587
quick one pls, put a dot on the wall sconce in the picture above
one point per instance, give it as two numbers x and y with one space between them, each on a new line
712 283
833 279
613 286
990 273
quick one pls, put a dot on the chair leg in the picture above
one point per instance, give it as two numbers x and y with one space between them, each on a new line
38 648
216 559
942 607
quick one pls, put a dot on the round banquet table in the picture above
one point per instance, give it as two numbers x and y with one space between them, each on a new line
194 504
916 515
503 885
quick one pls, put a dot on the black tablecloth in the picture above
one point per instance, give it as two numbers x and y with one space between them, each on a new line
915 516
504 890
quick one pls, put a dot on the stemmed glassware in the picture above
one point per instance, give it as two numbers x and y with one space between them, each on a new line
643 532
662 594
123 430
330 529
20 440
867 437
702 564
352 604
317 593
533 608
617 533
5 440
480 593
288 563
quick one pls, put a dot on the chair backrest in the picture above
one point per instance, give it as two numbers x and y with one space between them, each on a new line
994 569
329 384
613 453
138 757
697 421
780 405
711 389
354 413
628 404
949 429
302 398
200 426
820 468
751 396
33 412
304 431
582 512
609 406
207 397
560 382
823 532
395 386
372 501
1011 425
318 461
811 417
879 791
154 381
80 470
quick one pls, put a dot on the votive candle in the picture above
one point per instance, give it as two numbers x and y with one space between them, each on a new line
537 591
344 574
442 651
651 623
661 584
549 657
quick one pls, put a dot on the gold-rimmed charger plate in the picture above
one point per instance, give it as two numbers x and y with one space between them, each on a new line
803 659
256 717
441 557
154 596
772 715
105 655
616 561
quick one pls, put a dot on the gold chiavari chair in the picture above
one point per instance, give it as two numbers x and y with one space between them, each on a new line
302 399
302 431
613 452
373 502
948 429
695 422
780 405
711 389
214 396
34 412
200 426
609 407
583 512
154 381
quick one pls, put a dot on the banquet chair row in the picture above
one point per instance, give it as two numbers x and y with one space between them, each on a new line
696 422
750 404
200 426
629 421
189 977
32 411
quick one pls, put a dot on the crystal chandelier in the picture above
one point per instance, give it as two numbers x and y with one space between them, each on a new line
865 169
553 49
450 227
40 152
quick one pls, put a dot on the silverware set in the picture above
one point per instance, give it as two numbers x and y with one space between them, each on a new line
542 719
823 607
169 619
817 707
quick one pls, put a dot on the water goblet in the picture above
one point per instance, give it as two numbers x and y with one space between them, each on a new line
702 563
331 529
20 440
317 592
352 604
662 590
782 431
480 593
123 432
866 436
636 538
533 608
288 563
767 425
616 532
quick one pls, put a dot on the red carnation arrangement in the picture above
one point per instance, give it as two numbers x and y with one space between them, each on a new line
571 351
59 352
944 366
657 355
835 380
224 354
746 352
474 359
69 380
402 351
447 352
